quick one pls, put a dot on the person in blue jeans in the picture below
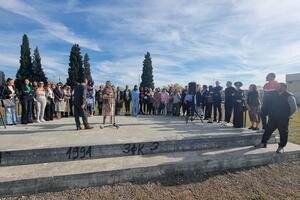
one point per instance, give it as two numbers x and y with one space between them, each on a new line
135 101
9 95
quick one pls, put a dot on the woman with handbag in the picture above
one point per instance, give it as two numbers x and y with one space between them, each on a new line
9 102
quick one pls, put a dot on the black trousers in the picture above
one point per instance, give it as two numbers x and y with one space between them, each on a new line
208 110
118 107
184 107
238 115
203 106
71 107
190 108
100 104
33 108
176 109
150 108
79 112
49 111
282 125
217 111
127 107
264 115
141 107
27 103
228 111
145 107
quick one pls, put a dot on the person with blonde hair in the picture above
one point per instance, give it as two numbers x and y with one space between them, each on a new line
109 104
41 101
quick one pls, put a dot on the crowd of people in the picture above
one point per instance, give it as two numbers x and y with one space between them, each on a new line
40 103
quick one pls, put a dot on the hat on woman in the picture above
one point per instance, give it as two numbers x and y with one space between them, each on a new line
9 79
238 83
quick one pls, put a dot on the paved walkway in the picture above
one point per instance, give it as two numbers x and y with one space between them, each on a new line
61 133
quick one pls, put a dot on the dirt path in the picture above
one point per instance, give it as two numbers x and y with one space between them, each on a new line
279 181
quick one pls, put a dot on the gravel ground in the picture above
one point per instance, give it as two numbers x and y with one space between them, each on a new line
278 181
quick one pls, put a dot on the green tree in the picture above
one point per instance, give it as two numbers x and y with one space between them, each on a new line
26 70
87 67
147 75
75 71
38 72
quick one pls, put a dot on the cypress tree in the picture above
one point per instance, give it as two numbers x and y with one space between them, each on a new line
147 75
87 67
26 70
38 72
75 71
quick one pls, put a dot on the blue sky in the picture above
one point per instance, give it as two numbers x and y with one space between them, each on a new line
189 40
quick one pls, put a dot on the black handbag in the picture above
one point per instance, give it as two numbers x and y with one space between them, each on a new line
8 103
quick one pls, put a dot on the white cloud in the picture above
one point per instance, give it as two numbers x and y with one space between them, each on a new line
188 39
9 60
55 28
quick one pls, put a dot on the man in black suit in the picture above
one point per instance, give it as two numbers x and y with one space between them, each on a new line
203 97
80 91
119 101
217 102
229 92
127 100
183 103
26 97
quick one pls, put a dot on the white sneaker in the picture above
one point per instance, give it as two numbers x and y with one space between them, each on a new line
38 121
43 120
229 124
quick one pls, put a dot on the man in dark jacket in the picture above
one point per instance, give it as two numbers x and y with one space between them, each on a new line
26 97
229 92
203 98
183 103
119 101
217 102
269 92
283 106
99 99
127 100
80 91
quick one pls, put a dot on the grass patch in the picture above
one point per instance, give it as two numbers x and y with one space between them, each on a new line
294 133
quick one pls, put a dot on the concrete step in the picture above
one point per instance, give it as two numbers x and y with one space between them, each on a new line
26 179
82 151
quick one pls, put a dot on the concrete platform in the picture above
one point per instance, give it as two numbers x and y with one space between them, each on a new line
26 179
59 141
